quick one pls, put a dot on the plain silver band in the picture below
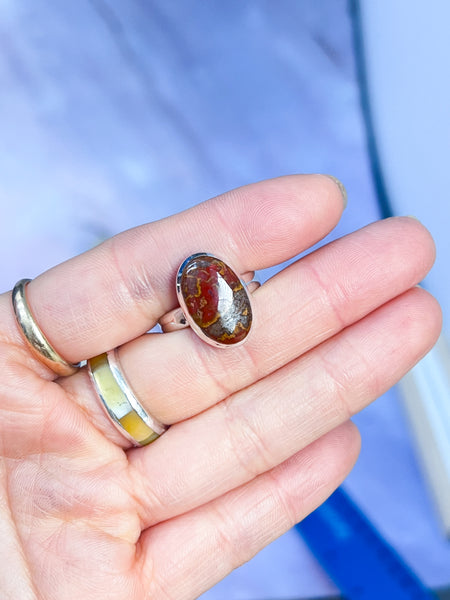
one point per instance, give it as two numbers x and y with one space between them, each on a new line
33 335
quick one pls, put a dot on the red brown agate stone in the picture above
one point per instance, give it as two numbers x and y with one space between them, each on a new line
215 299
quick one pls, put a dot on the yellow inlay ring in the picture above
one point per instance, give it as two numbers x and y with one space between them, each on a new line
119 401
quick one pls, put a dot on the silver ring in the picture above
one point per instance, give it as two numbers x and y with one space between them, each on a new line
120 402
33 335
214 301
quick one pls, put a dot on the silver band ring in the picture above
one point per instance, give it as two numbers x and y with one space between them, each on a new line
33 335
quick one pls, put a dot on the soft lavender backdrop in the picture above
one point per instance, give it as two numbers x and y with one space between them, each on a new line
117 113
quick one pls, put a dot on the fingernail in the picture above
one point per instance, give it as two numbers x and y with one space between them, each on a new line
413 217
341 187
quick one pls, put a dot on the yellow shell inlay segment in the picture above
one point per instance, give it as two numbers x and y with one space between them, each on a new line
118 402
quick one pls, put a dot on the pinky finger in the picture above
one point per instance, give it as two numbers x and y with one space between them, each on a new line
185 556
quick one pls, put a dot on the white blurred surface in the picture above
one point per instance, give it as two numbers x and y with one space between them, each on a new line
407 51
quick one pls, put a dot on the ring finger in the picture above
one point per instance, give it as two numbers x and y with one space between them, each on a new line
261 426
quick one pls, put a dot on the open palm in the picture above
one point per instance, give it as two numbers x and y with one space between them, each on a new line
260 434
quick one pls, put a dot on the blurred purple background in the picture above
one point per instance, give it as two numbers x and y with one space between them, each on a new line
117 113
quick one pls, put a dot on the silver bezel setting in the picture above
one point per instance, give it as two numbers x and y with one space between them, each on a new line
192 324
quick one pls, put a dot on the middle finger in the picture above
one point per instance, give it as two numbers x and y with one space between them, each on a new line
176 376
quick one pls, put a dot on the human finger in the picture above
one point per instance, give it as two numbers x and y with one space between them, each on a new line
297 309
176 376
257 428
117 291
183 557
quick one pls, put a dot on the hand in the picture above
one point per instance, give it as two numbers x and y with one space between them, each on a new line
260 433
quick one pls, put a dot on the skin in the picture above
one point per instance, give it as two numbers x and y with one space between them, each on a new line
260 434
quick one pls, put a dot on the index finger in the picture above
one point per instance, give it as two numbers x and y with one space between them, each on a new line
118 290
